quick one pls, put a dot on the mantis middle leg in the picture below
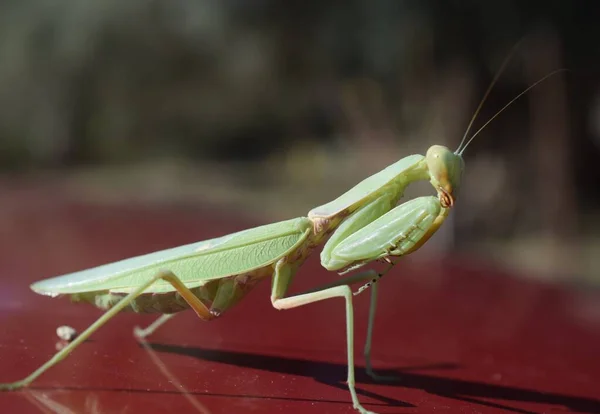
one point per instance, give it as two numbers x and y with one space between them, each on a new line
282 278
368 276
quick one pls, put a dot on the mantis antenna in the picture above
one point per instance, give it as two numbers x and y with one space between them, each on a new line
489 89
460 151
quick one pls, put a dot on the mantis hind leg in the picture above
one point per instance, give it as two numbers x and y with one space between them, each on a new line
201 310
283 275
141 333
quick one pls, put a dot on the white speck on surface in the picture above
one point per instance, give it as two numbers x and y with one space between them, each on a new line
66 333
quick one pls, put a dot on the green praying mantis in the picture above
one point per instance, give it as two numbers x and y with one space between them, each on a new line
363 225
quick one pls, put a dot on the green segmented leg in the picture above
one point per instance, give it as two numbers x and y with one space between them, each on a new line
281 280
187 295
368 275
368 341
374 285
142 333
371 276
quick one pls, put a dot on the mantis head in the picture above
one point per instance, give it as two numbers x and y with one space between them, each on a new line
445 171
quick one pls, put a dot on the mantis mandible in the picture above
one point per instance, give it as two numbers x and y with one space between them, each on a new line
363 225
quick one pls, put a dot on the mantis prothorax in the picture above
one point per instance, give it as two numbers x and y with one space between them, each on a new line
360 226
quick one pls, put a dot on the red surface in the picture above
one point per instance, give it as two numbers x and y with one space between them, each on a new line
461 337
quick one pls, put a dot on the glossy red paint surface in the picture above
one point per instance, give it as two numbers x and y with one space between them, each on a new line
459 336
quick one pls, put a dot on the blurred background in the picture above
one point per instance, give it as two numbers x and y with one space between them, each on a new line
264 109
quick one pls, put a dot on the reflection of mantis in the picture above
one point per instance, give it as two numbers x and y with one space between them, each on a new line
59 402
362 225
48 403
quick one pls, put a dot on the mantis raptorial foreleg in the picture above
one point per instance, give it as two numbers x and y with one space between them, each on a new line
359 219
394 233
201 310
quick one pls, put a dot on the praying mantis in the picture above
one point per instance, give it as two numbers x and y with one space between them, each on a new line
363 225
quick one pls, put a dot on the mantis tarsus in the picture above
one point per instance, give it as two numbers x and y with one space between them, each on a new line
360 226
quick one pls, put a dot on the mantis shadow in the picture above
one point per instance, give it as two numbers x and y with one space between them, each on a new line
334 375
